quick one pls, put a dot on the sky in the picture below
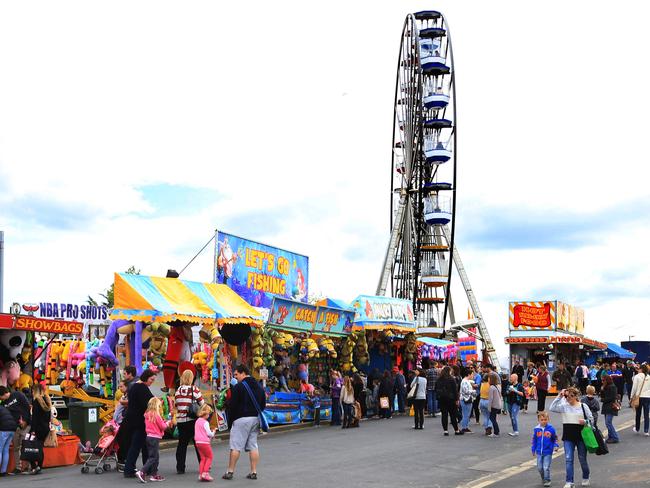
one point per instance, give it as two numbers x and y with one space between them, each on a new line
130 131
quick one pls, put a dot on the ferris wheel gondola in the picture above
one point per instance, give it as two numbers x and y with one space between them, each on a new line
417 265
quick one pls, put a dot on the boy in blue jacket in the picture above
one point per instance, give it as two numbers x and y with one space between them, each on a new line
544 442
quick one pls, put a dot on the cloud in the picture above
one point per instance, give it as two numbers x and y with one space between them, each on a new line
168 199
38 211
524 227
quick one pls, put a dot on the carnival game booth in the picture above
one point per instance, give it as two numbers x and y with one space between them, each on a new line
387 327
548 332
441 350
305 339
144 302
19 357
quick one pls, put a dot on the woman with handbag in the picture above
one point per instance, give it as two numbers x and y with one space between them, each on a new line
41 416
418 397
467 395
574 417
611 406
640 398
188 401
347 402
447 394
386 388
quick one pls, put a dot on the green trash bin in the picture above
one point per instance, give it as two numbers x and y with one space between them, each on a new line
84 421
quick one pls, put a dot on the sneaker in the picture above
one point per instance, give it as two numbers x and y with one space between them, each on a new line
467 431
140 476
568 485
635 430
646 434
206 477
157 478
586 483
120 468
494 436
488 431
513 434
459 432
228 475
547 483
445 433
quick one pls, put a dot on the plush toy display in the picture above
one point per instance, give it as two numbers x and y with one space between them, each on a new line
346 354
11 344
411 347
361 348
326 345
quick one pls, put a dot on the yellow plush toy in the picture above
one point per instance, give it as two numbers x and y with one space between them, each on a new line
311 346
24 381
200 359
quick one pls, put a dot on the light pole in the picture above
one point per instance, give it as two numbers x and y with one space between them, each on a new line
629 338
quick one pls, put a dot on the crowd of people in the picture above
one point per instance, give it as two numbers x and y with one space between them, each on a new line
458 393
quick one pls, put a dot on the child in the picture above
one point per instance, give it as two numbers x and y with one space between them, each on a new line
592 403
543 443
155 427
119 406
315 401
202 436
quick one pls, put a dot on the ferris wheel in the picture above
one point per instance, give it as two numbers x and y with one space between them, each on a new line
417 264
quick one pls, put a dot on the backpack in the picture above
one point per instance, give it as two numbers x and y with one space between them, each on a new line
579 372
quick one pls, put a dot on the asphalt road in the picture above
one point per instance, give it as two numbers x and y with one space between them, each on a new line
388 453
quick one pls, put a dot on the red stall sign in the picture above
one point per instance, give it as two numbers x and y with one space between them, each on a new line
532 316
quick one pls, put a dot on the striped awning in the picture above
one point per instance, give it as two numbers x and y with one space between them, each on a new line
154 299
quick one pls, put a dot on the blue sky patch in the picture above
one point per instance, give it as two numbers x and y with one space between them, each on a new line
173 200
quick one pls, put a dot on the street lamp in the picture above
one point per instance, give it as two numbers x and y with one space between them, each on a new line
629 338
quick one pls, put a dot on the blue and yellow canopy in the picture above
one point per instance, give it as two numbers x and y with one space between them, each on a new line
154 299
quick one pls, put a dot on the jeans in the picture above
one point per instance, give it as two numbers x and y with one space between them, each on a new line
432 402
582 457
347 414
185 435
153 449
138 438
5 440
485 411
514 414
644 404
418 410
448 408
493 418
476 410
544 466
336 411
611 430
467 411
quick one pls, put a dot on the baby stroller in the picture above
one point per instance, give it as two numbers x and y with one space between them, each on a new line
104 454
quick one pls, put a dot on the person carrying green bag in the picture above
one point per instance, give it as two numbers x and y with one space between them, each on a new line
574 419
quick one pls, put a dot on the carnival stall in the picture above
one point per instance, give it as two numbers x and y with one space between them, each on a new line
175 306
22 366
377 322
304 341
548 332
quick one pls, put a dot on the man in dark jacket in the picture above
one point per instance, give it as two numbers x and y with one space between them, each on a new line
139 396
561 377
244 420
400 389
18 405
628 376
518 369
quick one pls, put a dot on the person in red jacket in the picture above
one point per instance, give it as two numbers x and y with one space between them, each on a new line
542 388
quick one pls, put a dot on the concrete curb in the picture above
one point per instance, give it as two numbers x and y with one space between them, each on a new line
223 436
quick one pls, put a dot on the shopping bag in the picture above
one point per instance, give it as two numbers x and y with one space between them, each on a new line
411 412
31 449
51 440
384 403
602 446
589 438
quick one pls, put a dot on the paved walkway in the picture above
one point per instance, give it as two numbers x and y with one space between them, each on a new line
388 453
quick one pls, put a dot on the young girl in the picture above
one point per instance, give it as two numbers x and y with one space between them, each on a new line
155 427
202 436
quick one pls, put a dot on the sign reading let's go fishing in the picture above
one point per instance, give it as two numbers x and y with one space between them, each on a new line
257 272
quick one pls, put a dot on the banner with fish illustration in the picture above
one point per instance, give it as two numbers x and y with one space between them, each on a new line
376 312
258 272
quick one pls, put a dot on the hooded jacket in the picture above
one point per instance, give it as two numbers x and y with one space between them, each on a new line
544 440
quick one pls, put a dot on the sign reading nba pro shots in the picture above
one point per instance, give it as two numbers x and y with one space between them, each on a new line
89 314
258 272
